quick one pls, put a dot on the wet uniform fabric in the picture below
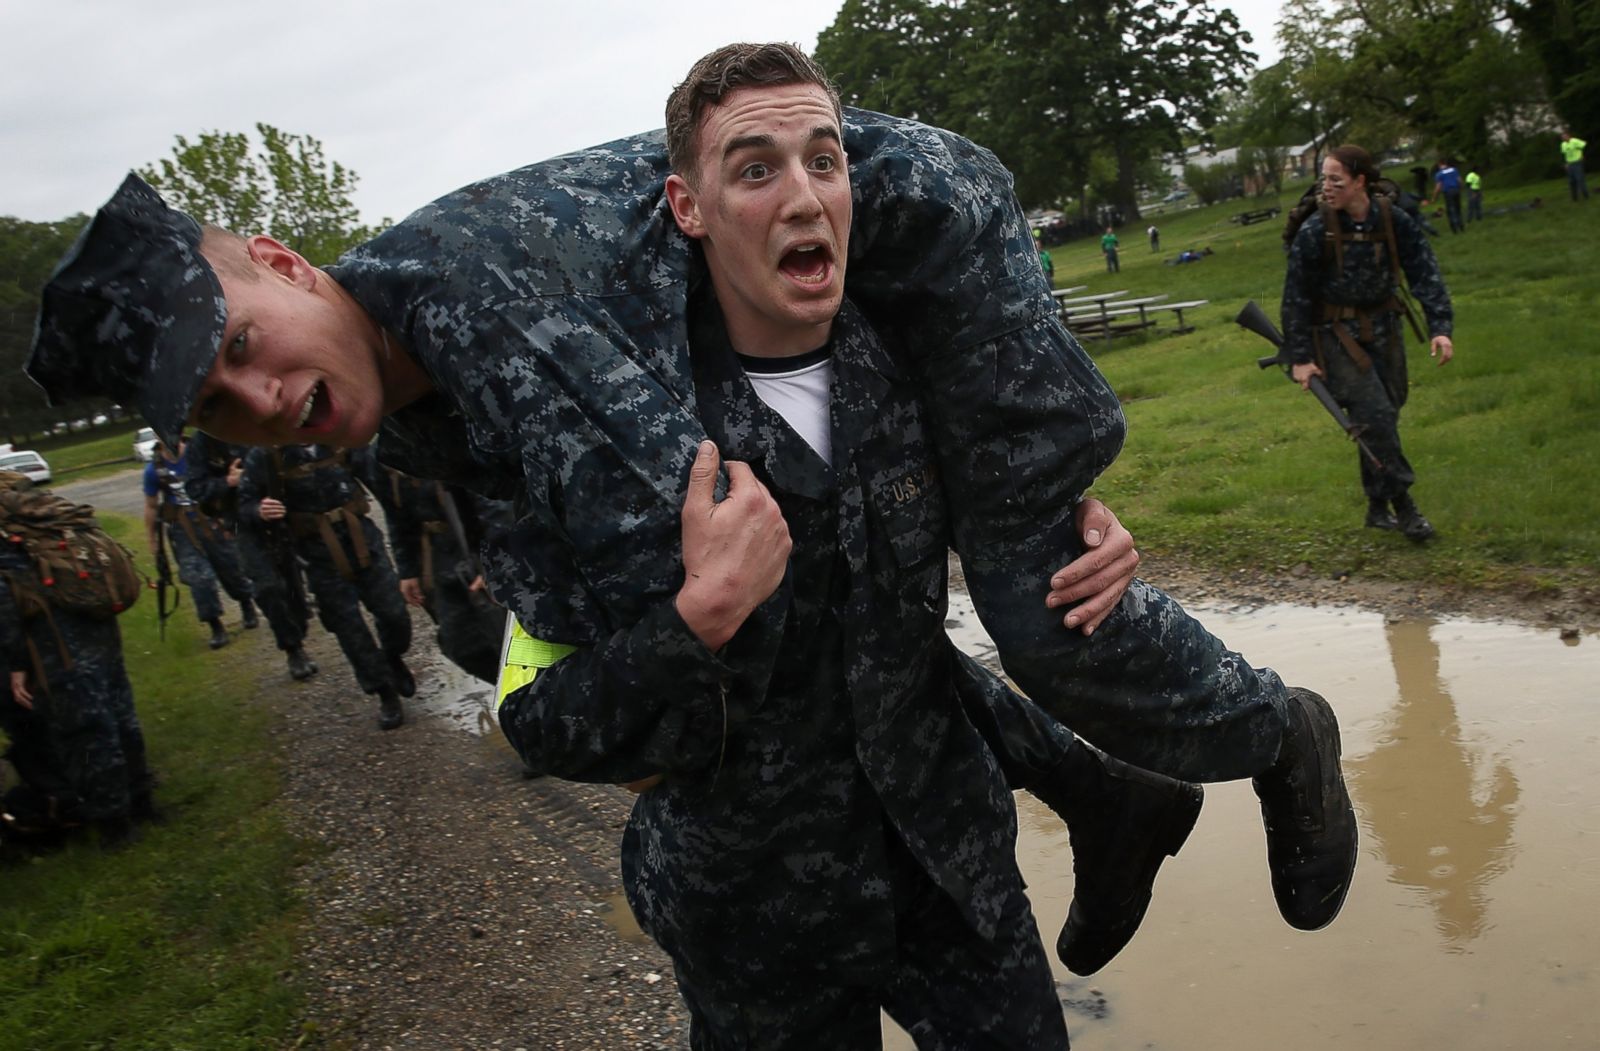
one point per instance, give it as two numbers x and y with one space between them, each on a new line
205 552
1371 397
92 738
564 284
323 491
470 625
207 485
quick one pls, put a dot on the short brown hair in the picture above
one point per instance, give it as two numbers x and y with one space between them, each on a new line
723 72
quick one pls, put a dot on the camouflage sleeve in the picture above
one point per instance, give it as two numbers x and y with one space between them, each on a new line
1299 287
648 700
1423 276
204 485
254 484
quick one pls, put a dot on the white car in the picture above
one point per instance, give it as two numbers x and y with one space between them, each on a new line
27 462
144 445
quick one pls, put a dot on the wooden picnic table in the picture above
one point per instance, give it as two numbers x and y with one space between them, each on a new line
1179 308
1099 314
1060 292
1076 300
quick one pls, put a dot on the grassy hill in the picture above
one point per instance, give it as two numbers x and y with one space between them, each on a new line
1235 467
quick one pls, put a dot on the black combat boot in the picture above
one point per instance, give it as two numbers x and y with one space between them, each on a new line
300 666
1412 524
404 682
390 713
1311 826
1123 822
248 609
219 636
1378 514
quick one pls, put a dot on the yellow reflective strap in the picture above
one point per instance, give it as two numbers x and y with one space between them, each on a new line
522 658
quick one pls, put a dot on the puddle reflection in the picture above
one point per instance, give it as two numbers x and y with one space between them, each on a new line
1442 811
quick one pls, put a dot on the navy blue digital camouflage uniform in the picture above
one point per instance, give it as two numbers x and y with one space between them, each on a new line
426 549
207 485
205 551
1372 396
84 704
341 585
580 302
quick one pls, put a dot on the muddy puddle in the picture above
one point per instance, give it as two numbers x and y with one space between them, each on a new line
1473 754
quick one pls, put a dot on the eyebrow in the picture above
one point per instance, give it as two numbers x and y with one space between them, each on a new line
746 142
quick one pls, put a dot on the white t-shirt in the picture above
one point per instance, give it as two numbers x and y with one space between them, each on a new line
798 389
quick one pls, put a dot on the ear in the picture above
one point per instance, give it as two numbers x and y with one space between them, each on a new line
685 206
283 261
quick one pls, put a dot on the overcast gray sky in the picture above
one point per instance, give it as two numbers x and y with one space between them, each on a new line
417 96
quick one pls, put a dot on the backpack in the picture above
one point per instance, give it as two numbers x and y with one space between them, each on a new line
1381 190
76 565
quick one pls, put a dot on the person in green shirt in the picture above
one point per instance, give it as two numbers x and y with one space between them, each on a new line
1045 262
1108 245
1572 153
1474 196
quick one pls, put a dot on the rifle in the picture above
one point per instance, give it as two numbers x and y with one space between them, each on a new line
279 543
470 570
164 582
1254 319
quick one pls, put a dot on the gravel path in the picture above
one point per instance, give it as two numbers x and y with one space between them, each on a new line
452 903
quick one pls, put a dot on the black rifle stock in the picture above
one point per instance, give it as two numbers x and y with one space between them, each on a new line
1254 319
164 583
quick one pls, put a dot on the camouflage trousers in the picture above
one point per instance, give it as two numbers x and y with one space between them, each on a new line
203 567
1372 400
1023 425
271 591
946 987
340 601
88 715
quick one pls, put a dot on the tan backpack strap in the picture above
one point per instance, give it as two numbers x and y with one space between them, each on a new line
1333 232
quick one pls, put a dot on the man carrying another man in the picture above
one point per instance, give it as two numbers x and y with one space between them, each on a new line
827 803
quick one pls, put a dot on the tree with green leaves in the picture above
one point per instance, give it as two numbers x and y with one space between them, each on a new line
1046 84
285 187
29 252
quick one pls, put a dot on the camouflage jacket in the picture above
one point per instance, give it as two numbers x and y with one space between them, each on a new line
1365 280
207 479
415 514
329 486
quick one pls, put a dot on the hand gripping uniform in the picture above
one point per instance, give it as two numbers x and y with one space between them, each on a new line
203 548
265 565
346 563
1341 309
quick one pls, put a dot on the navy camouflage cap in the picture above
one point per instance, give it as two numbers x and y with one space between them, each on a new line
133 312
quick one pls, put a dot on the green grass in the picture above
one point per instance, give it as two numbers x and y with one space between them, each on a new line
88 454
1238 468
183 940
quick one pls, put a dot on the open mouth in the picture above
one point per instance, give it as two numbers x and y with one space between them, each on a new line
807 265
317 408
